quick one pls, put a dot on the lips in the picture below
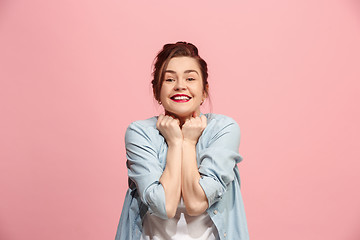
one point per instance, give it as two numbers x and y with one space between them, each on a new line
180 98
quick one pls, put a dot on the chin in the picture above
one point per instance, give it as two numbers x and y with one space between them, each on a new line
181 114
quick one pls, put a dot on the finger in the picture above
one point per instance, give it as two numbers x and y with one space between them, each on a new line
160 118
167 120
196 120
204 121
187 123
173 121
195 114
164 121
203 118
177 121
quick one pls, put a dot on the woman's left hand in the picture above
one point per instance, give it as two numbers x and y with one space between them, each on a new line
193 128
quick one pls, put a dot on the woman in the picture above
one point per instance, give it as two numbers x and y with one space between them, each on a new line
183 179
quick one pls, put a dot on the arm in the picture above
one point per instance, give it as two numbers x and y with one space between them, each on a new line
171 177
194 196
218 160
144 168
158 189
216 169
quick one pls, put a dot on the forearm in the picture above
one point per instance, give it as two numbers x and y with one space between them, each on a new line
171 179
193 195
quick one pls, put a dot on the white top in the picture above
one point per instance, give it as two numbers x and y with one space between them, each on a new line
181 227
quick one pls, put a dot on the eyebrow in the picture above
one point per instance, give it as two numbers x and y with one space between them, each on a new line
186 71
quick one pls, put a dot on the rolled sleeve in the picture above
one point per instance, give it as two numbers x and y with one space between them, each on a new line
218 160
144 169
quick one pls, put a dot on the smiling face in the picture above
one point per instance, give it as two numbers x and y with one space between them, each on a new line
182 90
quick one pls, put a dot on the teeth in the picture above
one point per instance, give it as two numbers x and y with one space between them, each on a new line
181 98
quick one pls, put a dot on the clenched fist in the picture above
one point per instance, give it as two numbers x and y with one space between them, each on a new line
193 128
169 127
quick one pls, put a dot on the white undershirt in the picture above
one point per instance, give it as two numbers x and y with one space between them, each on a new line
181 227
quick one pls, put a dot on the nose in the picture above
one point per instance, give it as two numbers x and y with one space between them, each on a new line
180 85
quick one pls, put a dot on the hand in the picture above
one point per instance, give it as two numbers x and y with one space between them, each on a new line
193 128
169 127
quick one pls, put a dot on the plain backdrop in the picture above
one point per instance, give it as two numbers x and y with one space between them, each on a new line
74 74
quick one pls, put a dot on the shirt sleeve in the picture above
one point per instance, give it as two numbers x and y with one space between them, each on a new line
218 159
144 169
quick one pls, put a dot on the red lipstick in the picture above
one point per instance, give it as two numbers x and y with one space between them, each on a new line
180 98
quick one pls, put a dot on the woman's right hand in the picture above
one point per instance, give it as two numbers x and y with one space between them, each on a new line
169 127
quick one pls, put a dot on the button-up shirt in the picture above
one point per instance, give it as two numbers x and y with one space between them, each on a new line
217 154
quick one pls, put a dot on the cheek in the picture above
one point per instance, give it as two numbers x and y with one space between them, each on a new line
163 92
200 90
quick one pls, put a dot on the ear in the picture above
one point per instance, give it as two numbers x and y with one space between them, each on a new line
205 95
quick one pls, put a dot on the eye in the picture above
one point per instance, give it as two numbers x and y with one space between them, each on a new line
169 80
190 79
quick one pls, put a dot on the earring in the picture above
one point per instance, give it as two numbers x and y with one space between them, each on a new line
159 102
202 102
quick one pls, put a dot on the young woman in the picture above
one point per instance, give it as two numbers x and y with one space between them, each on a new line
183 179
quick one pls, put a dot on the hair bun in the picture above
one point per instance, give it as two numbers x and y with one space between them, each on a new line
192 47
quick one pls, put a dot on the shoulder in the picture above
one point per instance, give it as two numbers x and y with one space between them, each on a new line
146 123
221 126
221 117
142 128
219 121
222 131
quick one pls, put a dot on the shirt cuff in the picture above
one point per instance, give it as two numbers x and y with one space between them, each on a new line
212 188
155 200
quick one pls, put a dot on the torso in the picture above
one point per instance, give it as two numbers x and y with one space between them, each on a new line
181 227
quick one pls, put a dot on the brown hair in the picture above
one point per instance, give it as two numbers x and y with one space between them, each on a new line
179 49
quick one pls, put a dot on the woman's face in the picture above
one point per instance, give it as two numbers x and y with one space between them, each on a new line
182 90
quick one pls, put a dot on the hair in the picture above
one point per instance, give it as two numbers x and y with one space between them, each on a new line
171 50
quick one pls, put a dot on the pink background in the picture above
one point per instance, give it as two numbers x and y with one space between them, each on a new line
74 74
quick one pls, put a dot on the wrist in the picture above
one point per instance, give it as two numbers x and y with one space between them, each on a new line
189 142
175 143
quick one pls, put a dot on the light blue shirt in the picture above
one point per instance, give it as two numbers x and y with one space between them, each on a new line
217 153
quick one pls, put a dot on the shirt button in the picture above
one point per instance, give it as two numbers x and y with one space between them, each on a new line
215 212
